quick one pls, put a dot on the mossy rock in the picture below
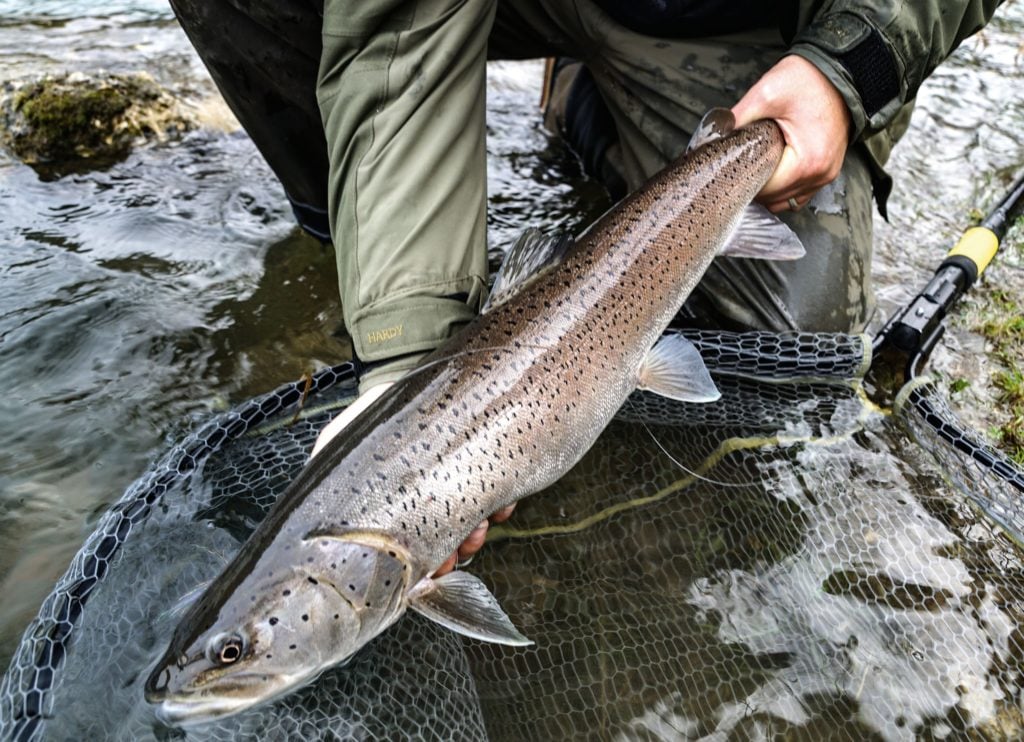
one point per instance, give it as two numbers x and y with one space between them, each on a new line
74 119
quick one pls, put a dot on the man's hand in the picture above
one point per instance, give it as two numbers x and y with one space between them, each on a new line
815 121
474 541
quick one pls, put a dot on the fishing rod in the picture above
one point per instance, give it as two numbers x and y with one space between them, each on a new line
906 341
910 335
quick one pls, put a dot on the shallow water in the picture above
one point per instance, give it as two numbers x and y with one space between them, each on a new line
791 568
137 300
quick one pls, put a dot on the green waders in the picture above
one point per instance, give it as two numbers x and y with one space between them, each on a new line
401 91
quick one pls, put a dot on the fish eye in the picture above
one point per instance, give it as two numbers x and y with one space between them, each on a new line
225 649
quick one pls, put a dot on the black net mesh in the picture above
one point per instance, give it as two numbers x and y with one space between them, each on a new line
784 563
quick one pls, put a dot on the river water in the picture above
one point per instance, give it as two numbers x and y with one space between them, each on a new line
136 300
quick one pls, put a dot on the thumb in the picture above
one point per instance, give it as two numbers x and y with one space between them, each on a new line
747 111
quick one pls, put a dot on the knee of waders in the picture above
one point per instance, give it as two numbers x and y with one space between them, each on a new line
577 112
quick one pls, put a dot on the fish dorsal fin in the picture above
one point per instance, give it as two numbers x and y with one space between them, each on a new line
533 254
761 234
673 368
717 123
461 602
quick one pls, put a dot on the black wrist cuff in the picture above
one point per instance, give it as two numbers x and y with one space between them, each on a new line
873 71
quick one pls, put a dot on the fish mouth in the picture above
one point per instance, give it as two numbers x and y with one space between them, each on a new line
190 709
178 713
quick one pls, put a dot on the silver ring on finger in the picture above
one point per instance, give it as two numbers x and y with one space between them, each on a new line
793 205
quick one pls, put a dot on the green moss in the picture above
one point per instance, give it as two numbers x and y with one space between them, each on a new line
958 385
60 121
1003 327
65 122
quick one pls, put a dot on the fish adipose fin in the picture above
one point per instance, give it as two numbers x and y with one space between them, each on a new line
462 603
763 235
717 123
673 368
532 255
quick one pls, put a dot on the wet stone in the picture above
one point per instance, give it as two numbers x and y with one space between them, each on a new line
77 122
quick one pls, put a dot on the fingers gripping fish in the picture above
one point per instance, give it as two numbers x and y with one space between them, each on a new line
499 412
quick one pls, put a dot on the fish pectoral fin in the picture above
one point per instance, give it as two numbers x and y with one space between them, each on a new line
716 123
762 235
532 255
673 368
462 603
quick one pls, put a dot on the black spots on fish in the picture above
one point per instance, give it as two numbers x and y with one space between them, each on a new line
387 583
309 560
293 646
352 588
269 656
286 593
305 616
252 598
272 621
392 554
334 565
312 581
336 616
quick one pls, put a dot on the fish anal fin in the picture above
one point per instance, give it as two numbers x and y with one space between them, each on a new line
673 368
716 123
760 234
532 255
461 602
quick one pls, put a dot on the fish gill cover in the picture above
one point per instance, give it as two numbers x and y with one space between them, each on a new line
786 561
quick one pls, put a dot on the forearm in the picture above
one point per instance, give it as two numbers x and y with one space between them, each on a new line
877 55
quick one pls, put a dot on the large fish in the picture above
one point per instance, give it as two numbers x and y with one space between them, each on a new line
499 412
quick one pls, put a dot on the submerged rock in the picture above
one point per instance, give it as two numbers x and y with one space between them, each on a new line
76 121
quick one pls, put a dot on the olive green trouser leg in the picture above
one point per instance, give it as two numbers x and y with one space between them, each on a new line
401 92
656 91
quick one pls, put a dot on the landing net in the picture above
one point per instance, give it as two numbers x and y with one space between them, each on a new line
787 562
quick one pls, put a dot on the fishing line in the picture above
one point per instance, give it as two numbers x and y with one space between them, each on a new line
680 464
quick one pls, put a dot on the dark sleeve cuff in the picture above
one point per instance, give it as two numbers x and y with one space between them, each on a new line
855 57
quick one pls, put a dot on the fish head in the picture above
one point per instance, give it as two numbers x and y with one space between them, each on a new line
252 638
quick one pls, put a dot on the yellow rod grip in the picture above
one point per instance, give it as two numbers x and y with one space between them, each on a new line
979 244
